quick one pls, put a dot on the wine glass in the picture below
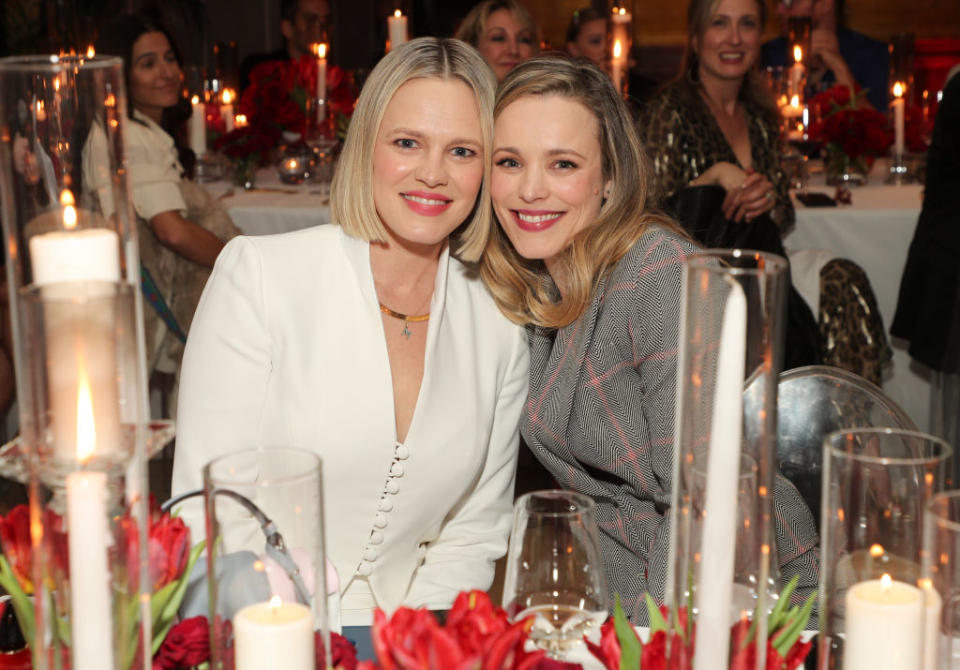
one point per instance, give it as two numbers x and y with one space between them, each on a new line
554 569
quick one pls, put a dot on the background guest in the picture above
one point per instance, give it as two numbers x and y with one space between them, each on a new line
839 55
713 137
504 33
595 275
302 23
587 36
181 228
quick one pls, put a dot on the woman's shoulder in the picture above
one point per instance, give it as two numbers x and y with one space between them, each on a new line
657 248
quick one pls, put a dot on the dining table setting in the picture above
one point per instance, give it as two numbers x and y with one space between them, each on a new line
98 574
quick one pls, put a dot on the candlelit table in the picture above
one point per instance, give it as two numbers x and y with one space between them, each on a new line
273 207
875 232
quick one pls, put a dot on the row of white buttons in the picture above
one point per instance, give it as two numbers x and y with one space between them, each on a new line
385 505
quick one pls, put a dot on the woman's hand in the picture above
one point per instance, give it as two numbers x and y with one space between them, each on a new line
754 197
749 194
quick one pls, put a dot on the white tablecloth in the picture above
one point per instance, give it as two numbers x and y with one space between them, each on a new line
875 232
273 207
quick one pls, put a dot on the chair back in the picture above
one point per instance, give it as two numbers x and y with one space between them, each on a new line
815 400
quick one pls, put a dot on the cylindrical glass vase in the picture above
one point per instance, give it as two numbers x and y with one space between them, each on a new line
874 603
722 549
265 559
84 430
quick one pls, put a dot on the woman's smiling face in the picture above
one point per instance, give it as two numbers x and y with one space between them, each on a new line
547 182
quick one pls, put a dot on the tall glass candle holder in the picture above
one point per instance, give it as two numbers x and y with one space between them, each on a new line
73 267
81 368
722 567
941 575
874 604
265 559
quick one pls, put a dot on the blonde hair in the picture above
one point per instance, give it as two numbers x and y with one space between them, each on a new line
351 193
517 283
753 89
474 24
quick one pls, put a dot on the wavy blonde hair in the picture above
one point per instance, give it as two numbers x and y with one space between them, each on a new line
351 193
518 284
474 24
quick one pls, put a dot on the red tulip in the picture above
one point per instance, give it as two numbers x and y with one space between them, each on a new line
17 547
186 645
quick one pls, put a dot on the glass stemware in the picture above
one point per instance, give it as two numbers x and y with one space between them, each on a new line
554 569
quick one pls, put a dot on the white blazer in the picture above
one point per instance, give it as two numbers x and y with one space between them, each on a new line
287 348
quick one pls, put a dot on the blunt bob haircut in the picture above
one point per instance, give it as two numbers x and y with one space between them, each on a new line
474 24
351 194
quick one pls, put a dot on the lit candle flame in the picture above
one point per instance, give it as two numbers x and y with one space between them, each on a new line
898 89
69 209
797 54
227 96
41 111
195 100
56 84
86 428
91 52
397 13
240 120
795 102
110 100
321 49
876 551
886 581
622 11
617 49
275 603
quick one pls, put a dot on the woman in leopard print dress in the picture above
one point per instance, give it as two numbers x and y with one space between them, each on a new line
716 126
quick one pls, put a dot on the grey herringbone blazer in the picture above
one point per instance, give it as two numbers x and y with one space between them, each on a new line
600 418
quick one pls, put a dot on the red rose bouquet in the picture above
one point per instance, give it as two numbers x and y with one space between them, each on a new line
171 561
853 136
620 647
280 99
476 635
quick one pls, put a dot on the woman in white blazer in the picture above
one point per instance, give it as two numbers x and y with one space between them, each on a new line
371 343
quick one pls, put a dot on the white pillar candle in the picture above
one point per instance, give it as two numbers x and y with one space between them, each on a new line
397 29
198 127
718 541
620 41
92 254
883 626
91 623
931 626
898 110
226 108
321 53
274 634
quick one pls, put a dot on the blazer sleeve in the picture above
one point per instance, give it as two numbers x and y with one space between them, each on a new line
475 532
225 372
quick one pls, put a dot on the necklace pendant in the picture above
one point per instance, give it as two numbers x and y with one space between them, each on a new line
406 332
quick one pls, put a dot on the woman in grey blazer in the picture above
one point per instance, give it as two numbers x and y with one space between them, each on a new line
596 279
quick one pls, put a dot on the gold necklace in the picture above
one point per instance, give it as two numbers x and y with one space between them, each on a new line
406 332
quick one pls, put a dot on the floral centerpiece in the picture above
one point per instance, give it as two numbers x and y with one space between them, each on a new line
621 648
852 135
280 102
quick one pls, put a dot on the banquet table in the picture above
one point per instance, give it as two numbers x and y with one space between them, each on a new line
875 232
272 206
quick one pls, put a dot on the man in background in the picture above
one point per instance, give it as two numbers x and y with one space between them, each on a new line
302 22
839 55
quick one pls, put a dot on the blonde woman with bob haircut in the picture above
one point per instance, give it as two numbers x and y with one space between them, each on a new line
503 31
595 276
370 343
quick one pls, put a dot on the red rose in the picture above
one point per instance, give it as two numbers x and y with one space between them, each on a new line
343 654
186 645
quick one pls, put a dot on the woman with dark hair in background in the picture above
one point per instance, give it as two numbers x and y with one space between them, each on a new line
587 36
181 228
